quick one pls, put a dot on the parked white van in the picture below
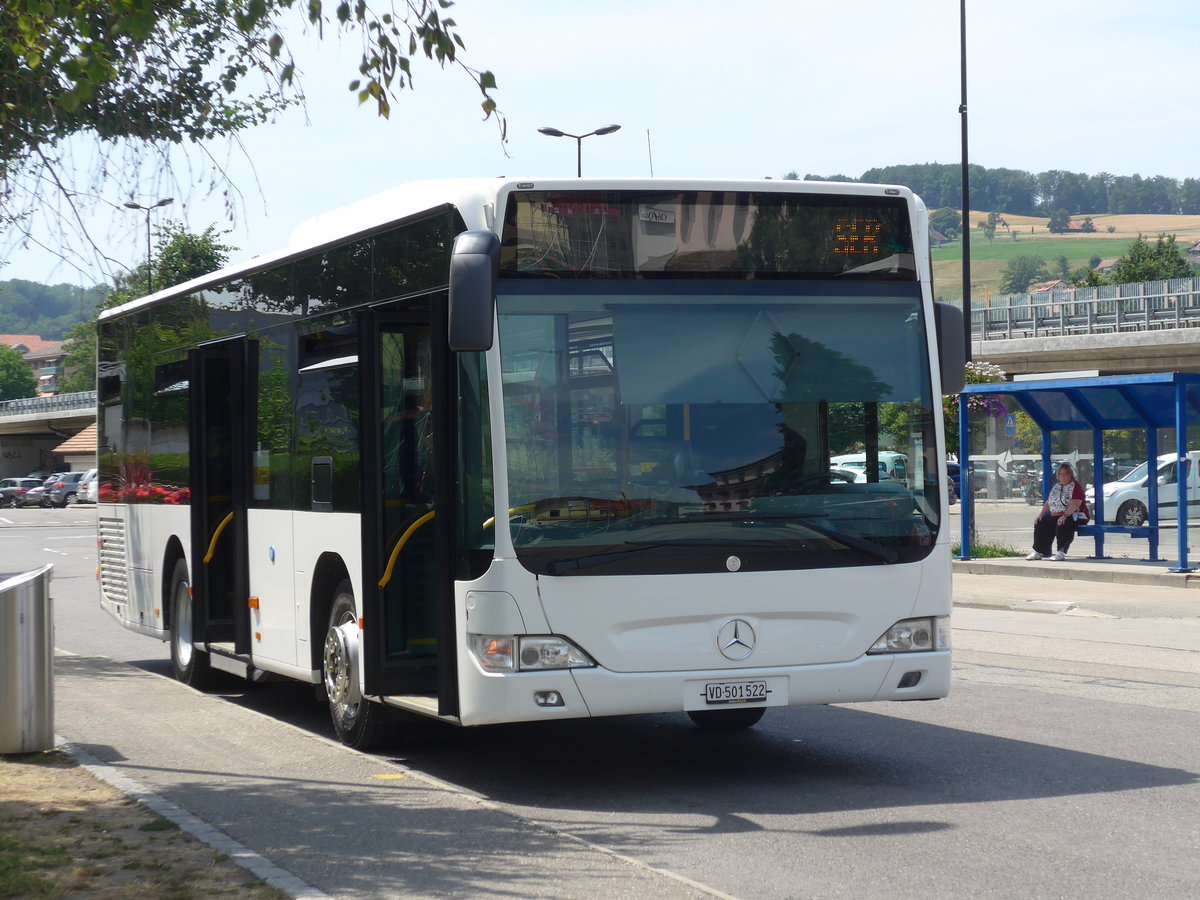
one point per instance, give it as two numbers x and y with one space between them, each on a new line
1126 501
893 464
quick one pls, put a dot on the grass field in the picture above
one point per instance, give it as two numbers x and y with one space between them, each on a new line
988 258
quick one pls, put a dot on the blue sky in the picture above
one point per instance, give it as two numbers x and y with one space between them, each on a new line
707 88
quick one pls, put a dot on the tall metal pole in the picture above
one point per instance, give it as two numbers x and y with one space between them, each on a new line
149 249
966 184
149 259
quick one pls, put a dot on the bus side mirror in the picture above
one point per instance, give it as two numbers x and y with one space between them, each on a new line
474 269
952 346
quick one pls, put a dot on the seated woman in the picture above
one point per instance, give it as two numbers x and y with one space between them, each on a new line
1063 510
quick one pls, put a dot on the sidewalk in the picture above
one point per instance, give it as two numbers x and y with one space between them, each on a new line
336 823
1122 588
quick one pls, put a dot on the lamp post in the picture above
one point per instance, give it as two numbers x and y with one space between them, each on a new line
146 209
554 132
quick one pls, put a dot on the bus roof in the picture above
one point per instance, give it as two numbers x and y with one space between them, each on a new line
476 200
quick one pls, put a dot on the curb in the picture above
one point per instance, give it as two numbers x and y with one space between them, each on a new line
199 829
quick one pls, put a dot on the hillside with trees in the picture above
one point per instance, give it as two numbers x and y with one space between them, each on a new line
46 310
1023 193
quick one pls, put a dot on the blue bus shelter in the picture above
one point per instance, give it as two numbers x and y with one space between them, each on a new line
1097 404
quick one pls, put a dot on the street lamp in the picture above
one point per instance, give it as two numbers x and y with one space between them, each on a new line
146 210
554 132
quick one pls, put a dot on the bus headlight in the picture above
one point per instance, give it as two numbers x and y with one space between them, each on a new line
551 652
915 636
527 653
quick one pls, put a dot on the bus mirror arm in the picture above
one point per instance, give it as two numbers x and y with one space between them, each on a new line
474 269
952 347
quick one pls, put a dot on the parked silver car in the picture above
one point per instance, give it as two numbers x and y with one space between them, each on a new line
14 490
37 496
64 491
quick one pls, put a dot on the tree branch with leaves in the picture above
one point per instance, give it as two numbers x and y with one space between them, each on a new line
137 78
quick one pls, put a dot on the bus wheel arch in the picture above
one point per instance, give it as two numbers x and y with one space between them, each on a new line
328 573
172 556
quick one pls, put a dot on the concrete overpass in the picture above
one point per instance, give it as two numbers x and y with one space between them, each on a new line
1175 350
1123 329
30 430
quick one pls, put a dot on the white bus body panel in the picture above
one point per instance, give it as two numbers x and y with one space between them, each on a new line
132 590
654 655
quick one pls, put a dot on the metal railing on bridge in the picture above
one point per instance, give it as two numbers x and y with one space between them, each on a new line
1108 309
59 403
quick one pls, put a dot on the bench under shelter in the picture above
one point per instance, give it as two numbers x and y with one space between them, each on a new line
1097 404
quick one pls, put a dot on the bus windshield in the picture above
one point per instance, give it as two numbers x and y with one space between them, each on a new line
691 428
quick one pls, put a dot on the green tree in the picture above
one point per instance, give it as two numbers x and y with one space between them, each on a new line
143 77
179 256
16 376
1020 273
946 220
1060 221
1151 262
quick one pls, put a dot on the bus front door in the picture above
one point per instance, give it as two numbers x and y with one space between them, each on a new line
219 449
406 509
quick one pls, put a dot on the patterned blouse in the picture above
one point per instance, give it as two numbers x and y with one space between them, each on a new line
1061 496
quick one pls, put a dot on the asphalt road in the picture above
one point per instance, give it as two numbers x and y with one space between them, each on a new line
1065 764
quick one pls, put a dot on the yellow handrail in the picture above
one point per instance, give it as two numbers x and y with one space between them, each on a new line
512 512
212 545
408 532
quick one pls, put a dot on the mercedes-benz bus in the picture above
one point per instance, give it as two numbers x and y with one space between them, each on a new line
496 451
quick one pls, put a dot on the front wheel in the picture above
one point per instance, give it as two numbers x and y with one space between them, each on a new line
727 719
189 664
1132 513
359 723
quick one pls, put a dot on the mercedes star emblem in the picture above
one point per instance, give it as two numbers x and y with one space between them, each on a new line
735 640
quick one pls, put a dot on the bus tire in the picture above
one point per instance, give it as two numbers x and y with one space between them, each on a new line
727 719
358 722
189 664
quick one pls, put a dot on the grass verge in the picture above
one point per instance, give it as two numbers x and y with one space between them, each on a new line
65 833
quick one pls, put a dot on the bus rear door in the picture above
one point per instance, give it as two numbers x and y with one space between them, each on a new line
220 472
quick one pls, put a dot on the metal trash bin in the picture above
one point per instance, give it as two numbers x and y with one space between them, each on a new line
26 663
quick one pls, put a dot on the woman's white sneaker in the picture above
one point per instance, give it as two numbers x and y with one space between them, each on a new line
1058 555
1034 555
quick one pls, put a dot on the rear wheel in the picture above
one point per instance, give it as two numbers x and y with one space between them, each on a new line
358 722
189 664
727 719
1132 513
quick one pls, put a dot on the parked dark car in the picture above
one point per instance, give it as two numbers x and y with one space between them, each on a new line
63 491
13 490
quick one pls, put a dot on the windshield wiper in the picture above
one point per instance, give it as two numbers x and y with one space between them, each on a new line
887 554
571 563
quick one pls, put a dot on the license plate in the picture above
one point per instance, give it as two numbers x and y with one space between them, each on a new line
735 692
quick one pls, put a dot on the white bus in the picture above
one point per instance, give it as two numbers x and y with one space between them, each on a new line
497 451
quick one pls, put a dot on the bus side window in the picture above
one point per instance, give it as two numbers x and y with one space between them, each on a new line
322 484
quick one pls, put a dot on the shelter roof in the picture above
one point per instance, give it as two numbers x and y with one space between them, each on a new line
1105 402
